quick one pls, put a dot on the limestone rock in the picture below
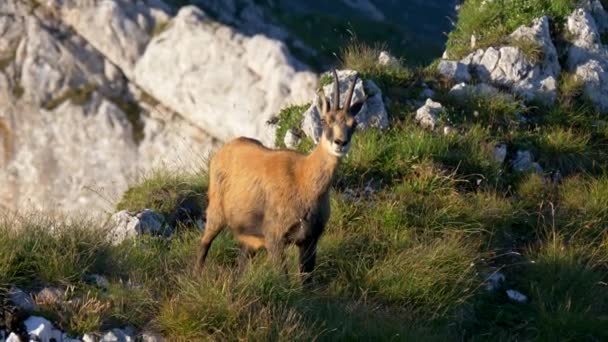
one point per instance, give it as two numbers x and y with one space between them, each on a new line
517 296
40 329
117 335
428 114
372 114
124 225
500 153
524 162
120 29
292 140
228 84
509 66
456 71
386 59
21 299
588 58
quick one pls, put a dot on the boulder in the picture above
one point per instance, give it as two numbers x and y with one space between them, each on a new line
372 115
40 329
226 83
428 114
21 299
455 71
588 57
124 225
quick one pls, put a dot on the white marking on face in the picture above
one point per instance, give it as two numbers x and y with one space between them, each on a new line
337 150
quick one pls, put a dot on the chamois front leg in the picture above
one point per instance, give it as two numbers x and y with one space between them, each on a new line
275 245
308 256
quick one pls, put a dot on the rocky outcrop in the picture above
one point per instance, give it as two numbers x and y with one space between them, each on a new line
587 56
229 84
372 114
514 66
428 114
95 93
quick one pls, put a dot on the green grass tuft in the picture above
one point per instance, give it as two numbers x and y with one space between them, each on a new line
167 192
492 21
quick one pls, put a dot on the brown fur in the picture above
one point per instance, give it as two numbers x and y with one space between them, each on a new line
271 198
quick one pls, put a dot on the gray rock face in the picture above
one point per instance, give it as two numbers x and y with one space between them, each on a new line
75 125
372 114
588 57
428 114
120 29
509 66
226 83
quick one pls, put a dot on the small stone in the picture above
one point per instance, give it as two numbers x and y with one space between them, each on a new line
12 337
427 93
21 299
292 140
386 59
524 163
428 114
117 335
349 195
517 296
200 224
494 280
100 281
151 337
89 338
500 153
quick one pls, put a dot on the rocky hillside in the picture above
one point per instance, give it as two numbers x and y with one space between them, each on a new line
92 94
471 206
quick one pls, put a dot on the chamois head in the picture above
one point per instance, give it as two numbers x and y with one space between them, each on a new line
338 123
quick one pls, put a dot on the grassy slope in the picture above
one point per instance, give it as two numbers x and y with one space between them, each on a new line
407 261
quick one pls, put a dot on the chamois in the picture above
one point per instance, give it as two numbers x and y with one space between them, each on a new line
272 198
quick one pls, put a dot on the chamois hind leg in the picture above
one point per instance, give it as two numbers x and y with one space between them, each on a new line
212 229
276 250
308 256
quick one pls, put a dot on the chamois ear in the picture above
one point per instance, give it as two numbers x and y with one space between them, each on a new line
355 108
322 103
